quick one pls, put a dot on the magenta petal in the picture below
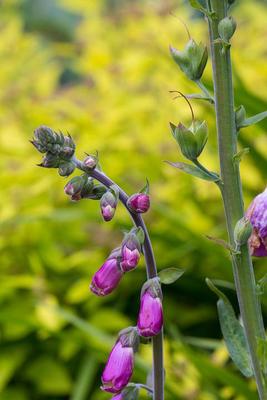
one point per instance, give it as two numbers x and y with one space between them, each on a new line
119 368
107 278
150 319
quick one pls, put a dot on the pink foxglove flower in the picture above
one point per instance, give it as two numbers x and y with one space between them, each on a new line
107 278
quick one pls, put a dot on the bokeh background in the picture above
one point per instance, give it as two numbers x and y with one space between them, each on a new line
100 69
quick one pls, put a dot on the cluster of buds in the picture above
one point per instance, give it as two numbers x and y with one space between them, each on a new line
257 215
121 260
58 149
59 153
84 187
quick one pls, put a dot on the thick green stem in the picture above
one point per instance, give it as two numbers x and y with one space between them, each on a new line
231 189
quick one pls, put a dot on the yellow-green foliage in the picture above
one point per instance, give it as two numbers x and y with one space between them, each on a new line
55 335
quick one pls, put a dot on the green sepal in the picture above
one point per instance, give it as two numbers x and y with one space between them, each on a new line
170 275
233 332
192 60
195 171
131 392
201 136
187 142
146 188
240 116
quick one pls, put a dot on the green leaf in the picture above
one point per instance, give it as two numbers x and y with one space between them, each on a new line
233 332
170 275
196 4
195 171
220 242
240 154
253 120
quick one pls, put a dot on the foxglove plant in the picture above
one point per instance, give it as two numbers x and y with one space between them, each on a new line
94 184
247 232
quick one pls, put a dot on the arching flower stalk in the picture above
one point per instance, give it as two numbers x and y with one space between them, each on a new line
94 184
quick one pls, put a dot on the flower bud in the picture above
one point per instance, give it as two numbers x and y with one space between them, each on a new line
257 214
139 202
107 278
191 140
120 364
50 161
192 60
150 319
75 185
108 203
226 28
242 231
90 162
66 168
131 251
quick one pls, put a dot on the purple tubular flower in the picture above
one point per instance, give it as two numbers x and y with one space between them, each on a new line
257 214
150 319
139 202
107 278
119 368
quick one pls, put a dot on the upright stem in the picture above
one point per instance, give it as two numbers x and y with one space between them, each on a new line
231 189
157 341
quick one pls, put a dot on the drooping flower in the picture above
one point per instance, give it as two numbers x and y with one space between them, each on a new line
120 364
257 214
150 318
107 278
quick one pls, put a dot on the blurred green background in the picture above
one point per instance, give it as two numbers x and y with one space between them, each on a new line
100 69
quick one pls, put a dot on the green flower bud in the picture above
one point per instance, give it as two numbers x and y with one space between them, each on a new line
242 231
75 185
192 60
66 168
90 162
226 28
191 140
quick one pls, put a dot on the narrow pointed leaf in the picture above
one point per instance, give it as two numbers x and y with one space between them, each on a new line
170 275
233 333
196 4
195 171
253 120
